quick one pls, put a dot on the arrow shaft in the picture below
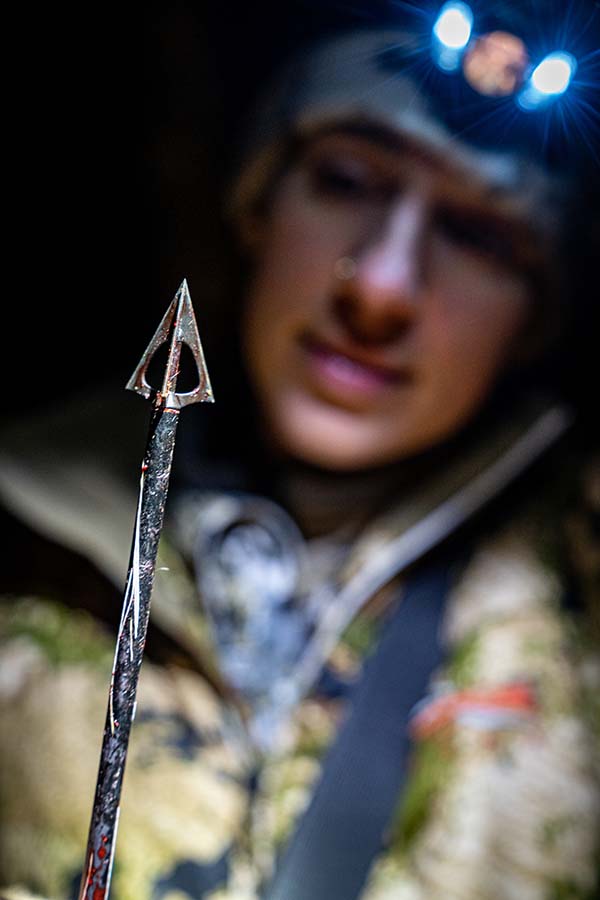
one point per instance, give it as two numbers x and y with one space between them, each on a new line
154 484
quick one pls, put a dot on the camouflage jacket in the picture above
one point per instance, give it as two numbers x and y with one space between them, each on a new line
503 794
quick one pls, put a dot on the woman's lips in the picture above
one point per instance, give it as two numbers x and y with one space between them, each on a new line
344 371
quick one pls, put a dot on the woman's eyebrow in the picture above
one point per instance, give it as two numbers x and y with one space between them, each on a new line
396 142
375 133
459 183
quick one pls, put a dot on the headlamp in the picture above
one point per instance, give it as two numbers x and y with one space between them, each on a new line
452 33
497 63
549 80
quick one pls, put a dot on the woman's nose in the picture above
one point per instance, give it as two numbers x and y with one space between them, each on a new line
381 295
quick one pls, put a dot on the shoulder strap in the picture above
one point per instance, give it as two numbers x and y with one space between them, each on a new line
364 773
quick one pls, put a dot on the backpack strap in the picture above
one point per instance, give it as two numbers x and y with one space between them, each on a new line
364 773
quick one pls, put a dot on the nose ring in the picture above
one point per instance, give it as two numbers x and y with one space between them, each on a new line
345 268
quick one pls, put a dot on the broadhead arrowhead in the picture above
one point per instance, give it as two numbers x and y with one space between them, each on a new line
178 325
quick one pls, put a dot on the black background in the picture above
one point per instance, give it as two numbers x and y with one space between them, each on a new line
120 124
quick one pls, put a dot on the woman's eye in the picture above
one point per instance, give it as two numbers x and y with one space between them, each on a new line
344 180
476 233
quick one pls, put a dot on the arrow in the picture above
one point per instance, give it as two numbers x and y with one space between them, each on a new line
178 326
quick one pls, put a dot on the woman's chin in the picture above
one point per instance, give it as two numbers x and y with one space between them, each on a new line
332 438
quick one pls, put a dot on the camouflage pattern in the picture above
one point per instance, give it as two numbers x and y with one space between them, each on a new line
503 798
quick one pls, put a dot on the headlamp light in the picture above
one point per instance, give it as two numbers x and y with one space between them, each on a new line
452 33
497 64
549 80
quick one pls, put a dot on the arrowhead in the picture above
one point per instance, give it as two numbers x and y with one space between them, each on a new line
178 324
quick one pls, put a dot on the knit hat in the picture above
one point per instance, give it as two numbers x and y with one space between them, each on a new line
376 78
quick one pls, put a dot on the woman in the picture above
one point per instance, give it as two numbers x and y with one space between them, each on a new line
394 702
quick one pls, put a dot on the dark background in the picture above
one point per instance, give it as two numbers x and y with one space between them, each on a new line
121 124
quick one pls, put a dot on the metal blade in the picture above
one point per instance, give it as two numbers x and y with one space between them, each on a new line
178 325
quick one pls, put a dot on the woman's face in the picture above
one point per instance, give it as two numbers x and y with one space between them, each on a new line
386 297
